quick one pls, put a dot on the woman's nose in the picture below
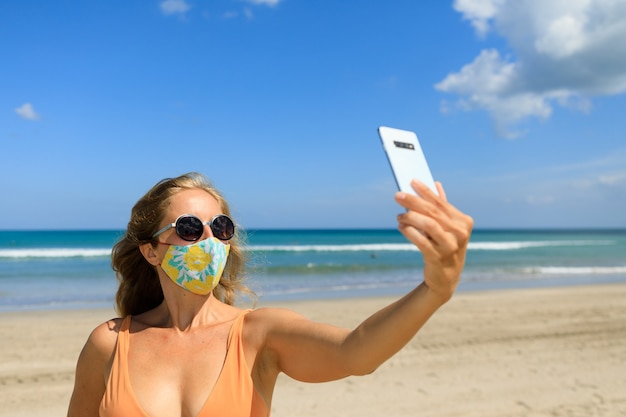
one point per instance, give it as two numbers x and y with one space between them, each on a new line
207 233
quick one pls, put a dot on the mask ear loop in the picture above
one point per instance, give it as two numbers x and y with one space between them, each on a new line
149 252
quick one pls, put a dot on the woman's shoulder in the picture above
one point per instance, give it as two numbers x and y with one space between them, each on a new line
273 313
103 338
272 318
100 345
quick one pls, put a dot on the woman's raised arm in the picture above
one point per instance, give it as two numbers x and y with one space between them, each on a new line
315 352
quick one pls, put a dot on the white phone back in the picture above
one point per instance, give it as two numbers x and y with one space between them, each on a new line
406 158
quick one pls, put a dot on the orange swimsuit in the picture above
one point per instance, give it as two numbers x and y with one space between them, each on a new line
233 395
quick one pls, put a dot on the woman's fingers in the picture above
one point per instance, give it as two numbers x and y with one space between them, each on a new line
440 231
433 215
441 191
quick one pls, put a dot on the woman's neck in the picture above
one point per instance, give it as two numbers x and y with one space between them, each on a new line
184 310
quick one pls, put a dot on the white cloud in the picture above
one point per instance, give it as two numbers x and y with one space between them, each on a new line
564 53
478 12
170 7
541 200
27 111
230 15
614 180
270 3
564 36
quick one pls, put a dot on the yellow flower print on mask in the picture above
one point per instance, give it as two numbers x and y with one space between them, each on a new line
198 267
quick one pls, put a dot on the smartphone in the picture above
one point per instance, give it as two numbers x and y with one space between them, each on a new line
406 158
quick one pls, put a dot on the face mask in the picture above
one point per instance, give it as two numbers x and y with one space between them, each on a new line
198 267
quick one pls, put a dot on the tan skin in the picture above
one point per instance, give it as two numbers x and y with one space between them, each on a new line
177 349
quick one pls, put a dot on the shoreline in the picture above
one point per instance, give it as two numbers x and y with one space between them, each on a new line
465 287
514 352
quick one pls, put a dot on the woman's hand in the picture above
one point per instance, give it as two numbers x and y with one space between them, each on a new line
440 231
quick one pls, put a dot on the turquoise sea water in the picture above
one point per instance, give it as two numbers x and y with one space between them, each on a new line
71 269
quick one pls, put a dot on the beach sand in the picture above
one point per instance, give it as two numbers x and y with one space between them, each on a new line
533 352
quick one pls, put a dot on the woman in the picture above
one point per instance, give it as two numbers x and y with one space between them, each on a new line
183 348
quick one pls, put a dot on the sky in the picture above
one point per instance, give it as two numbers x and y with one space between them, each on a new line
519 105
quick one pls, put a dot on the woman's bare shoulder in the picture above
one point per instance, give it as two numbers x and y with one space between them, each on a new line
280 313
262 323
103 338
267 319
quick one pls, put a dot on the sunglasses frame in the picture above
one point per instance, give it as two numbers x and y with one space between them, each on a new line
209 223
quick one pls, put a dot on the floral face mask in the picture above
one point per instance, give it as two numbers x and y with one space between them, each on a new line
198 267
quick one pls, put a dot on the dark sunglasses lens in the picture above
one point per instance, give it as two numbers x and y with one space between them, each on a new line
189 228
222 227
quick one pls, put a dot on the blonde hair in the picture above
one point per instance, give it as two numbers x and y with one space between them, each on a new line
139 287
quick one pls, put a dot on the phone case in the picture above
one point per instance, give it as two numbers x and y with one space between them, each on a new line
406 158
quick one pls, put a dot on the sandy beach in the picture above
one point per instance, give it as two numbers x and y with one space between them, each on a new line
534 352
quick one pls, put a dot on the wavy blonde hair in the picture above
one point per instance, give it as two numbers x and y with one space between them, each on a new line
139 288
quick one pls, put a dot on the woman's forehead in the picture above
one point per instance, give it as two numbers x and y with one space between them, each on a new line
192 201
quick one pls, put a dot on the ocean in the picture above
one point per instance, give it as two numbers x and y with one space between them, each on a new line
43 270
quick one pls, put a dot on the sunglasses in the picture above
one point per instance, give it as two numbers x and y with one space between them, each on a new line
190 228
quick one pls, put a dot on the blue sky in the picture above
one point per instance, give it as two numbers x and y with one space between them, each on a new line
519 106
